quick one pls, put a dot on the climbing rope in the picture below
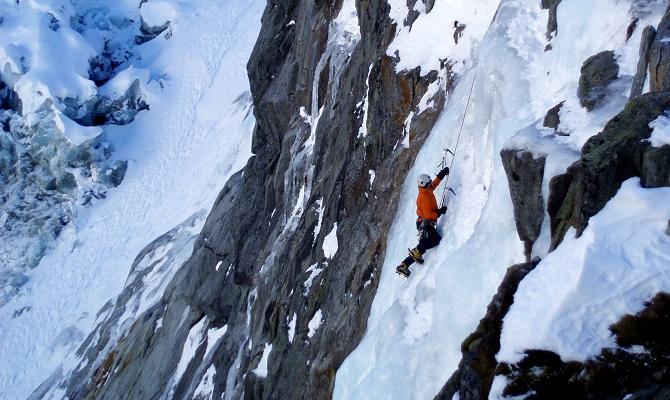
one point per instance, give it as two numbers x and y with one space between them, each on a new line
467 105
458 140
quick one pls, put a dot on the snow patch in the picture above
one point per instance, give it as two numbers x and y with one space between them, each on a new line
319 211
314 271
195 337
157 13
213 337
291 327
205 388
315 323
330 243
619 263
660 136
262 369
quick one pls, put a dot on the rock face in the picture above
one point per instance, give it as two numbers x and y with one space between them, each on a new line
552 23
659 56
525 174
597 73
472 380
613 374
617 153
640 77
258 272
553 119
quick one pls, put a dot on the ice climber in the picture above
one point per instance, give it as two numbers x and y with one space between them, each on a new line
427 214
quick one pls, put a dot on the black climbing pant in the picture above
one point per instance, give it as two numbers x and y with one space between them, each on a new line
428 238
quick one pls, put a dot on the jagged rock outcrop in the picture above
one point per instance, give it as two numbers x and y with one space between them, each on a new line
659 56
553 119
38 188
525 173
290 312
617 153
648 35
9 100
472 380
552 23
638 368
597 73
631 28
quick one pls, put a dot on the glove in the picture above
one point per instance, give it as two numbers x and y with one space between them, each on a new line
444 172
442 210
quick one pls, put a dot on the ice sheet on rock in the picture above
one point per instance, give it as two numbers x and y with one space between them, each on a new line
317 228
119 84
157 13
195 338
330 243
416 326
619 263
205 388
76 133
660 136
430 38
262 369
314 271
314 323
291 327
213 337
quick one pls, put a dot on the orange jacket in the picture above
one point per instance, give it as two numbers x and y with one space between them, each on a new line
426 204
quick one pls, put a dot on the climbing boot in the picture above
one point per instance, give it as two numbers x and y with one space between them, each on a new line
403 270
416 255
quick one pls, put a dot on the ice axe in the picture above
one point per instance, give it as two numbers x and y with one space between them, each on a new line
444 158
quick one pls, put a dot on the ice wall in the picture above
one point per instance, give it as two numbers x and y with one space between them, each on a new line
412 344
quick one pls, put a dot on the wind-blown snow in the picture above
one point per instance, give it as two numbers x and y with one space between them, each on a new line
620 262
180 153
416 326
660 136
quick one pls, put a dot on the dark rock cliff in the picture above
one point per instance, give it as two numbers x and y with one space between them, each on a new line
290 312
525 173
617 153
473 378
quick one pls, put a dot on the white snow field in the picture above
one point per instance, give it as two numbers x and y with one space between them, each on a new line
620 262
181 152
412 343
